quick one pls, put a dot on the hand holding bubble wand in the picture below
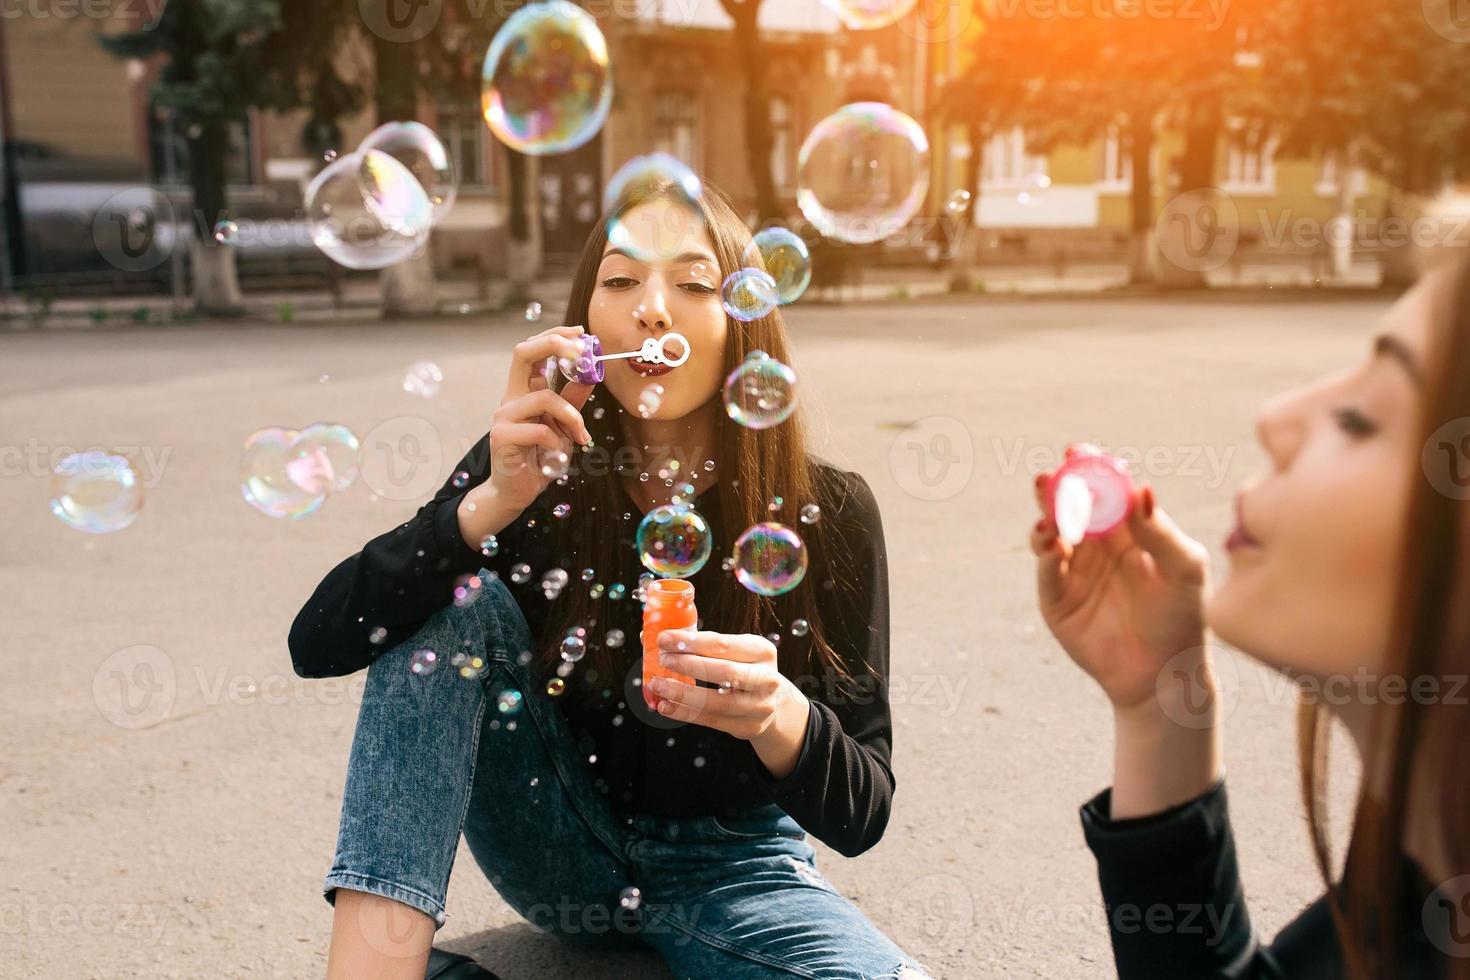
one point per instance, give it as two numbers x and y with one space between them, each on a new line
589 366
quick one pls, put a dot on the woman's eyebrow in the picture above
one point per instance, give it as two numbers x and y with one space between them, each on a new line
1387 345
683 259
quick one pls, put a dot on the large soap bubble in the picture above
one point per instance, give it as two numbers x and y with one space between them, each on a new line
869 15
97 492
362 235
863 173
422 153
546 85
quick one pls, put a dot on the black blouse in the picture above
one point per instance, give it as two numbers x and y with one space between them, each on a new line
842 787
1176 908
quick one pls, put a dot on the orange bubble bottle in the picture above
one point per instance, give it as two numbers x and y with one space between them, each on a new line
668 604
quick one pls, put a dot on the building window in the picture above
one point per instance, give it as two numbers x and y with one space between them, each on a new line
783 160
676 126
1250 162
1007 164
462 129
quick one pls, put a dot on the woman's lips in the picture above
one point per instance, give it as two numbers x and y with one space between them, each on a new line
647 369
1239 537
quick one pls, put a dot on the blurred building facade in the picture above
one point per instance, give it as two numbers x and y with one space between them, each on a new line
82 130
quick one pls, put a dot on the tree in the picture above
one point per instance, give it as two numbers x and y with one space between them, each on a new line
754 62
986 93
212 76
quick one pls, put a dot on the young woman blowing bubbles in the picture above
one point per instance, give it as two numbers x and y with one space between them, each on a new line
594 817
1350 562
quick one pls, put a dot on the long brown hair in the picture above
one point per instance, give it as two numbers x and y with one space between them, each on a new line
1416 738
754 467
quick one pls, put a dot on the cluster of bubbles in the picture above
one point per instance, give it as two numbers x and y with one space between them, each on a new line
862 172
373 207
96 491
286 473
423 379
761 392
674 541
546 84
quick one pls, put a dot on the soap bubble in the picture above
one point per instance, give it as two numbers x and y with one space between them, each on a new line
533 312
863 172
422 662
785 256
614 639
226 232
520 573
508 702
868 15
270 469
649 401
654 229
555 686
360 231
553 582
561 510
573 648
555 464
422 154
674 541
96 491
958 202
770 559
811 514
325 458
642 174
546 86
749 294
423 379
800 627
630 897
760 393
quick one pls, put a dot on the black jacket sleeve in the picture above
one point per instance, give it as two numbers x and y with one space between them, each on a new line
393 585
841 790
1176 909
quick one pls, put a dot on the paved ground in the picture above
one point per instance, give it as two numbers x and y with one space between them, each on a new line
185 832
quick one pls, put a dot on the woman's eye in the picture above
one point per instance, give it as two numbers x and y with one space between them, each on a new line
618 282
1354 422
704 289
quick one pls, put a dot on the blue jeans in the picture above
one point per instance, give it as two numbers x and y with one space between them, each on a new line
434 755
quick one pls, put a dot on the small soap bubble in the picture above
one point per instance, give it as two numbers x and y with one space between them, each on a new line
508 702
783 254
800 627
490 546
555 464
674 541
760 393
533 312
555 686
811 513
96 492
958 202
226 232
630 898
460 480
573 648
749 294
423 662
561 510
770 559
469 665
614 639
520 574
